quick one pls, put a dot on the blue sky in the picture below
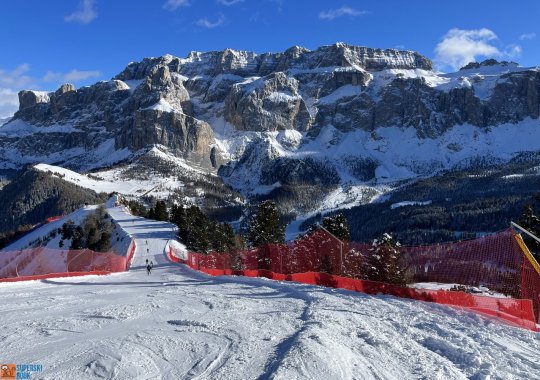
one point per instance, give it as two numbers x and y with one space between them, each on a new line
46 43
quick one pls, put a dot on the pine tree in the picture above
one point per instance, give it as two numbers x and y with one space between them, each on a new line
265 227
104 243
78 241
160 211
338 226
385 263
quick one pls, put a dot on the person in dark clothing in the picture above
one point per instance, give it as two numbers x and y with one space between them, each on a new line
149 267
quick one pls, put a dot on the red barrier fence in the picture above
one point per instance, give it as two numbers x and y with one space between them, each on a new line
500 262
35 262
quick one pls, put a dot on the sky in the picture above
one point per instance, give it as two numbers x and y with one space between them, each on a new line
46 43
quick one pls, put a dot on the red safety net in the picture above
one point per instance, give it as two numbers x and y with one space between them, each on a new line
42 261
499 262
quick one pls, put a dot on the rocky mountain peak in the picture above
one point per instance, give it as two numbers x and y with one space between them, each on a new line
246 63
488 63
222 110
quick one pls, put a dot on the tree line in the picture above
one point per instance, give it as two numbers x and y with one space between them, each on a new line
383 262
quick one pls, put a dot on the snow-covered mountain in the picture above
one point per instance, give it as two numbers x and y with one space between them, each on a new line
339 117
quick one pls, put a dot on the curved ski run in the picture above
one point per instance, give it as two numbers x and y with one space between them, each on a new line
177 323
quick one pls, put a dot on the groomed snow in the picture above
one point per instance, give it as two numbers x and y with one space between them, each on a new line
177 323
409 203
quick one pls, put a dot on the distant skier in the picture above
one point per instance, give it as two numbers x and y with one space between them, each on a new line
149 267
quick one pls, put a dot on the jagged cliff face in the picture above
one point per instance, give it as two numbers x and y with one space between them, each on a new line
336 114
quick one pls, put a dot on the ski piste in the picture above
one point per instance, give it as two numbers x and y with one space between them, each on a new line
178 323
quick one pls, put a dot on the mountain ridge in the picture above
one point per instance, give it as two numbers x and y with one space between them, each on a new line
334 118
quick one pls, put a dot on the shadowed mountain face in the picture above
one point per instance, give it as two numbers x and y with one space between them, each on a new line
270 124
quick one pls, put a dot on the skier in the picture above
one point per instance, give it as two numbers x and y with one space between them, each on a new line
149 267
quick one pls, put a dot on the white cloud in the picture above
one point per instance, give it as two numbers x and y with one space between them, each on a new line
205 23
172 5
16 77
228 3
339 12
9 102
459 47
84 14
11 82
527 36
72 76
512 51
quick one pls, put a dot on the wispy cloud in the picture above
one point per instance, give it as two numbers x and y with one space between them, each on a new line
228 3
527 36
205 23
72 76
84 14
12 81
172 5
340 12
459 47
9 102
15 78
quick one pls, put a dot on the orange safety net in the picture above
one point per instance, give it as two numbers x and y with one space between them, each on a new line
42 260
499 262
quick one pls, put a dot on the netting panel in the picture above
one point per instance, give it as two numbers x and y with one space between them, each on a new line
40 261
497 262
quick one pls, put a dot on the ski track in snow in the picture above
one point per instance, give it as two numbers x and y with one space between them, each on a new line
178 323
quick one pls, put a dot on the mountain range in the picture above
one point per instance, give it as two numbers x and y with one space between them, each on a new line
337 127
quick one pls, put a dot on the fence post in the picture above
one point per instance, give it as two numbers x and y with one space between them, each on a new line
280 260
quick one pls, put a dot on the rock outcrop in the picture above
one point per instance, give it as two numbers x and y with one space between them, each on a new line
189 104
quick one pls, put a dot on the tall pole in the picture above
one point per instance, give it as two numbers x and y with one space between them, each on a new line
524 230
340 246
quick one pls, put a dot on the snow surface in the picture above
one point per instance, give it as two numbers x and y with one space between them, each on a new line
26 241
20 128
178 323
133 84
409 203
481 290
114 180
164 106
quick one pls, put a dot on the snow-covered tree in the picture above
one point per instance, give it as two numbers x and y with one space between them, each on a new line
384 262
265 226
338 226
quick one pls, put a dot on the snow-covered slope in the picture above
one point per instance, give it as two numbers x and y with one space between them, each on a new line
178 323
133 178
